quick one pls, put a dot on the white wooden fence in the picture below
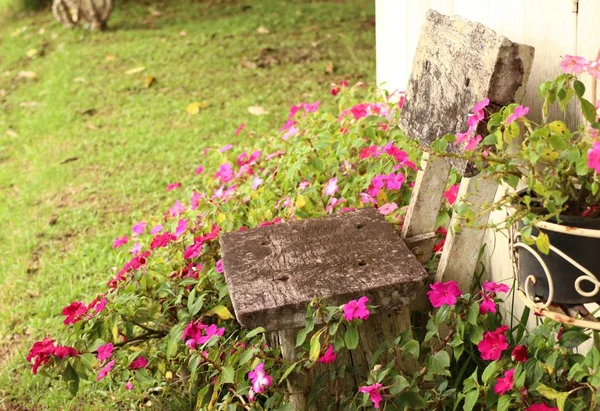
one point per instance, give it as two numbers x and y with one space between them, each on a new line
553 27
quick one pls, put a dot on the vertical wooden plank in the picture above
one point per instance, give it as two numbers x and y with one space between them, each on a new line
391 46
415 17
473 10
588 38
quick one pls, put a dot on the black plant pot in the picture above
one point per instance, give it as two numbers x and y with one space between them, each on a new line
584 250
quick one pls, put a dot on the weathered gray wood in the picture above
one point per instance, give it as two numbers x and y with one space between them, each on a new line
461 249
457 64
274 272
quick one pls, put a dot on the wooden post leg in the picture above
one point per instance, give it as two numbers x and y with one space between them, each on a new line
425 205
297 384
462 248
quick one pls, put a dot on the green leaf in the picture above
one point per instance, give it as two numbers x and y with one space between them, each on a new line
412 347
476 334
552 394
318 164
351 337
471 399
542 242
489 372
315 346
172 345
255 332
473 313
439 145
588 109
504 402
579 88
399 383
411 399
228 374
573 338
247 356
287 372
220 311
71 378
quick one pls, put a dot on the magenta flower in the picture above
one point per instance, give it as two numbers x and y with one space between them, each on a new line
387 208
42 352
173 186
138 363
177 209
519 112
573 64
97 304
331 187
199 170
157 229
239 129
105 370
492 287
473 142
219 267
493 344
593 156
451 193
394 181
195 200
487 305
74 312
505 384
334 202
181 227
162 240
139 228
128 386
104 352
443 293
519 354
356 309
260 380
197 333
541 407
374 394
225 173
120 241
328 356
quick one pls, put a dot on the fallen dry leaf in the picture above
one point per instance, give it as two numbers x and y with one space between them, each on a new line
12 133
329 68
263 30
135 70
149 81
31 52
79 80
249 64
183 33
154 12
110 57
27 74
28 104
257 110
195 107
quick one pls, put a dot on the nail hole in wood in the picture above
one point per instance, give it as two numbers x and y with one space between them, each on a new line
360 225
282 278
362 263
467 82
264 242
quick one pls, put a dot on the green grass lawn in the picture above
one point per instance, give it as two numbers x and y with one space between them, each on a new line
86 150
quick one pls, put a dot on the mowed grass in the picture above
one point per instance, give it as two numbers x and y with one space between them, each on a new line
86 150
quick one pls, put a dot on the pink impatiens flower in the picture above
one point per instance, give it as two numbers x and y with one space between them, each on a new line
505 384
451 193
239 129
105 370
328 356
593 156
43 351
473 142
225 173
374 394
104 352
138 363
162 240
260 380
519 354
356 309
137 247
173 186
573 64
74 312
593 69
225 148
519 112
120 241
128 386
331 187
387 208
493 344
219 267
197 333
492 287
199 169
177 209
157 229
443 293
256 182
139 228
487 305
181 227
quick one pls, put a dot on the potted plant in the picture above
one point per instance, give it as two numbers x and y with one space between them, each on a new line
556 216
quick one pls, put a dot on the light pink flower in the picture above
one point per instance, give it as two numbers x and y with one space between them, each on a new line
505 384
334 202
519 354
260 379
119 242
138 363
225 148
387 208
275 154
593 69
139 228
519 112
493 344
291 132
444 293
374 394
177 209
128 386
593 156
256 182
356 309
195 200
181 227
137 247
173 186
225 173
239 129
157 229
452 193
492 287
328 356
105 370
573 64
219 267
331 187
473 142
105 351
199 169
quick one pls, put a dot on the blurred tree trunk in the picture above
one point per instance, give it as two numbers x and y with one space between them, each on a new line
72 12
